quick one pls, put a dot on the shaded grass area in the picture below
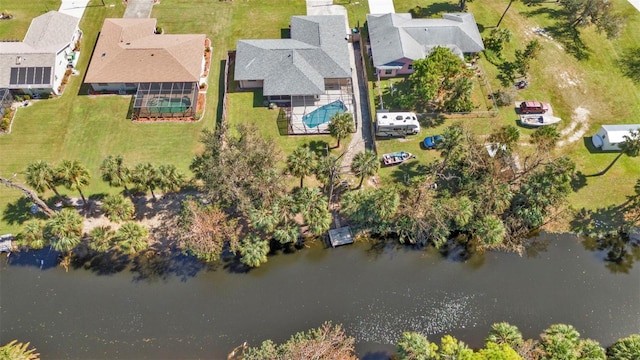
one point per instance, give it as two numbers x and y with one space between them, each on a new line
570 72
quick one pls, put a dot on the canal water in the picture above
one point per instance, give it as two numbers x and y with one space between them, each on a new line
177 310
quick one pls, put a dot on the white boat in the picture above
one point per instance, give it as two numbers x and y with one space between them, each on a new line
538 120
396 158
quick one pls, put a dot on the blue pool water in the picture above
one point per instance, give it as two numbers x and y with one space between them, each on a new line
323 114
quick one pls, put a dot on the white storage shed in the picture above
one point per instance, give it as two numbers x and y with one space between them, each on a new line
609 137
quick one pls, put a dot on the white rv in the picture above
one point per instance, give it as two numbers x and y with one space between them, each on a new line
396 123
609 137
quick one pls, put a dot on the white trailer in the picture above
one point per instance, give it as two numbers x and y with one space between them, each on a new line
396 123
609 137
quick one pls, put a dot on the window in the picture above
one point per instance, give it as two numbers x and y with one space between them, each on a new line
388 72
410 67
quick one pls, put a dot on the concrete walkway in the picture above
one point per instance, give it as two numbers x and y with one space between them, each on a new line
361 139
381 7
73 7
138 9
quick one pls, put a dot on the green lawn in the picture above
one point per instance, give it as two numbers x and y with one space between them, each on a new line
593 83
90 128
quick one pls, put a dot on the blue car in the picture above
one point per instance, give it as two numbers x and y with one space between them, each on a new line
430 142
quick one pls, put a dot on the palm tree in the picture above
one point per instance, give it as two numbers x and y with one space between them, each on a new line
32 235
545 138
625 349
101 238
365 164
145 176
301 162
15 350
64 229
505 138
115 172
630 147
328 167
287 233
40 176
253 251
169 178
131 238
118 208
505 333
74 176
341 126
560 341
489 229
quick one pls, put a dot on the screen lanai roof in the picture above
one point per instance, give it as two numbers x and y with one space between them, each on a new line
317 50
128 50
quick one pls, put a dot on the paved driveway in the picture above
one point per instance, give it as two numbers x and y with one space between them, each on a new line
73 7
381 7
140 9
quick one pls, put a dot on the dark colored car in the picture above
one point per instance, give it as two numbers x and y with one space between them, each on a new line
430 142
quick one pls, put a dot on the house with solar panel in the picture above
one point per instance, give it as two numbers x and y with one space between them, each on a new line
37 65
162 71
396 40
308 75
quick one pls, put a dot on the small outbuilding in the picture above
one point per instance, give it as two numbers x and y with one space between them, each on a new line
609 137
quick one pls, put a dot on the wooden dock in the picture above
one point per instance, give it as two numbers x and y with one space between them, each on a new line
340 236
5 243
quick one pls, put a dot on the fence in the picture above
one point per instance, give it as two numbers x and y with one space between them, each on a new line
364 55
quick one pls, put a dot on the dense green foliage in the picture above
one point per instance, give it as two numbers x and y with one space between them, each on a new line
341 126
118 208
15 350
481 192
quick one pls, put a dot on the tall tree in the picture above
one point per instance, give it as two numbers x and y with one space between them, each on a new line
415 346
365 164
169 179
15 350
629 63
301 162
101 239
115 172
64 229
601 13
32 235
145 176
40 176
118 208
505 138
341 126
254 250
131 238
74 176
626 348
505 333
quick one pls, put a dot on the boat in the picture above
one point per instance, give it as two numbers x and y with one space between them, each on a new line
538 120
396 158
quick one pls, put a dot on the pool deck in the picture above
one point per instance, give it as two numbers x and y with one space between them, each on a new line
299 109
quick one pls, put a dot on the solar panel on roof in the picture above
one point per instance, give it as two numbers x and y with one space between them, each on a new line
13 80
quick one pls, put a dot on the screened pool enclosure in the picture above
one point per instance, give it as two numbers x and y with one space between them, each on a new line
165 100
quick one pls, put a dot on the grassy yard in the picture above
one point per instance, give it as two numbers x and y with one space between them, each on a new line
90 128
558 75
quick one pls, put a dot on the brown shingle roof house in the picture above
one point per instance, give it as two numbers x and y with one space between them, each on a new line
164 71
129 51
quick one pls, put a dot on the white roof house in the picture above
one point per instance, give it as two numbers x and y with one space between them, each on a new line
39 61
398 38
609 137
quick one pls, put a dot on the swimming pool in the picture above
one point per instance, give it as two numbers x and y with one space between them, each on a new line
323 114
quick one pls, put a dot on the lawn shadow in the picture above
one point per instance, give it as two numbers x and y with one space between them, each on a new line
319 147
432 10
19 211
282 122
578 181
221 88
431 121
404 172
563 32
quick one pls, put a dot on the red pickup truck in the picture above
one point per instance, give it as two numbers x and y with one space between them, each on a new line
533 107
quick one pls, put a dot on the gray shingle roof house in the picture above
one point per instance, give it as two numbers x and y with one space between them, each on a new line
398 39
38 63
316 52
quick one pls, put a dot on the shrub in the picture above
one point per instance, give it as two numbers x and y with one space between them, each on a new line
504 97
